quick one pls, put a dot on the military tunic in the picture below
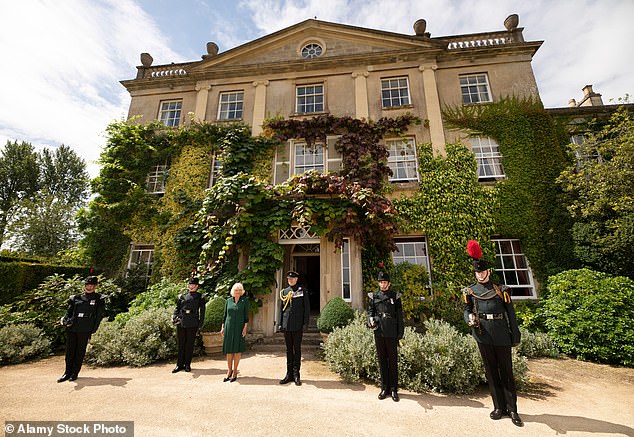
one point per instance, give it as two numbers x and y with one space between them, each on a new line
82 319
190 308
293 319
236 314
385 311
496 330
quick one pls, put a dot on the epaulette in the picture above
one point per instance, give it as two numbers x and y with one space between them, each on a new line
398 295
371 296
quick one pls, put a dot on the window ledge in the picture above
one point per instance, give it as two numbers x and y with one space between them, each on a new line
390 108
229 120
308 114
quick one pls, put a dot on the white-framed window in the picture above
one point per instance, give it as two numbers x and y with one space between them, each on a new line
155 181
413 251
488 157
141 258
170 113
312 50
345 271
216 167
402 159
395 92
584 154
475 88
306 158
309 98
512 266
230 105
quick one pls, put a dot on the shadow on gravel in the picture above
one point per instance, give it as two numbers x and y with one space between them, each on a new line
95 382
563 424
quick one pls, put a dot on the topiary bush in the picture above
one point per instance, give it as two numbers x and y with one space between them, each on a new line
590 315
213 314
442 359
335 314
22 342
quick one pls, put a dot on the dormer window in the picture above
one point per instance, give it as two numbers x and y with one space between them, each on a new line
312 50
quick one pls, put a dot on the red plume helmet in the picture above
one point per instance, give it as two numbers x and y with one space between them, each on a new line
381 264
474 250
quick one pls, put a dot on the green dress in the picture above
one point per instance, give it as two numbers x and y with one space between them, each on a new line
234 318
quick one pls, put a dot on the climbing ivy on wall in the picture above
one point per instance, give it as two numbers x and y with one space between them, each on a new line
529 199
449 208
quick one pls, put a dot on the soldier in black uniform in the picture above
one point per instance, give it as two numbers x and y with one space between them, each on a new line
294 315
385 316
489 312
83 316
188 316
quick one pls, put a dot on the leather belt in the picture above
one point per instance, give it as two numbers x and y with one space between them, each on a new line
385 315
492 316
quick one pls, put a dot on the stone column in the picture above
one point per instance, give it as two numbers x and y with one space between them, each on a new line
361 95
259 106
201 101
432 102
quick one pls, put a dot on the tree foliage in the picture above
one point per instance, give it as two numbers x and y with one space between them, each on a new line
18 179
600 196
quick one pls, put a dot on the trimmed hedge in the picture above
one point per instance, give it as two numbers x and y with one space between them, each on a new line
17 277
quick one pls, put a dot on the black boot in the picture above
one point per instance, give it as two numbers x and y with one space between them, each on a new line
288 378
516 419
383 393
296 378
395 397
64 377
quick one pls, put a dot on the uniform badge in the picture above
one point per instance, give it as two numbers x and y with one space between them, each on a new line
93 302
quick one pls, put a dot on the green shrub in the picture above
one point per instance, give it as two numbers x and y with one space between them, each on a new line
335 314
537 344
213 314
163 294
590 315
144 338
412 281
45 305
529 315
106 345
22 342
350 351
441 360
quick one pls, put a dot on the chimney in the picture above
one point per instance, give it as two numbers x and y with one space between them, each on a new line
590 98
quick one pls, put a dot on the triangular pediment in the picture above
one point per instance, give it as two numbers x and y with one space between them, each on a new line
338 42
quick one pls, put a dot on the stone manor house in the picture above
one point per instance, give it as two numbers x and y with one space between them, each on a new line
316 67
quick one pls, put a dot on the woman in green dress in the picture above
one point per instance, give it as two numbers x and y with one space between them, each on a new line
234 329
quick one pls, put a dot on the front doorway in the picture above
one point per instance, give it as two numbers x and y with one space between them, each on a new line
305 259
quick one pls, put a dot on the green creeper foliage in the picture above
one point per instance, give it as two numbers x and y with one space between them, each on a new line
449 208
600 196
590 315
335 314
529 199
